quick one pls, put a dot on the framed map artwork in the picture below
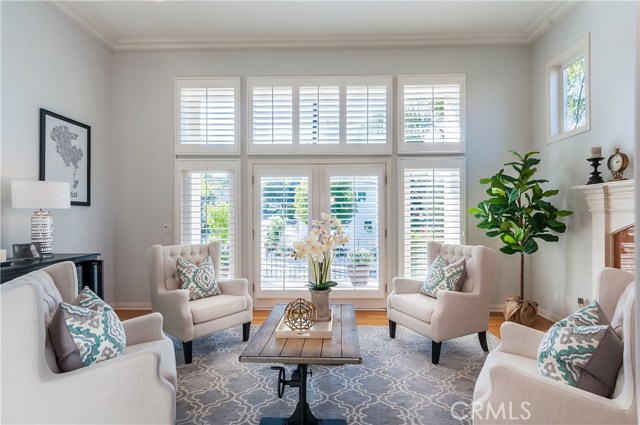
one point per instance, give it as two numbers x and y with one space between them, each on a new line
65 154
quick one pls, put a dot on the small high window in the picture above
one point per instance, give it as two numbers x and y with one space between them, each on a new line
568 85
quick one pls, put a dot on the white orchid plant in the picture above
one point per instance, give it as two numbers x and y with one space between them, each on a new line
318 247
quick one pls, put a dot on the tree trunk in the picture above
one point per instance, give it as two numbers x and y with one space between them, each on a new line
521 276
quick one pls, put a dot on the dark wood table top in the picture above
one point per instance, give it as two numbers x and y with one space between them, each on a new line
342 348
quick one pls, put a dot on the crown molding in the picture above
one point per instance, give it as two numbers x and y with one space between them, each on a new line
86 23
344 42
555 12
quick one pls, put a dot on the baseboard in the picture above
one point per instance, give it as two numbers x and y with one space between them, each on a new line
131 306
549 315
496 307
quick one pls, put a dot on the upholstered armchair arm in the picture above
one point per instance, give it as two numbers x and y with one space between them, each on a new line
130 380
403 285
176 314
143 329
520 340
235 287
518 387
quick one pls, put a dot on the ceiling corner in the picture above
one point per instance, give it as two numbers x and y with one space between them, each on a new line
543 24
73 13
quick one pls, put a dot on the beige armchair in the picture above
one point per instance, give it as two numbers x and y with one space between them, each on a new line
510 377
188 320
138 386
452 314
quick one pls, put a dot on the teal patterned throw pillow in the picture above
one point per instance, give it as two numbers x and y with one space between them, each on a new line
86 331
443 277
583 351
199 280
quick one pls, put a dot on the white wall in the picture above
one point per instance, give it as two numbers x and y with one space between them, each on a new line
498 111
566 266
48 62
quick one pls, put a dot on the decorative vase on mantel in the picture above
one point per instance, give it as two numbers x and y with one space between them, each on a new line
320 299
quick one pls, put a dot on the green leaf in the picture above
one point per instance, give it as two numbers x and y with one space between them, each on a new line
530 247
475 211
509 250
564 213
506 238
550 193
493 233
486 180
547 237
497 191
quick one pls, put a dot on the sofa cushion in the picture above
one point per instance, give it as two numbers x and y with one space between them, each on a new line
199 280
583 351
211 308
443 277
415 305
85 332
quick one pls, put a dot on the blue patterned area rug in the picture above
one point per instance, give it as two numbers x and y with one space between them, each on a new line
395 385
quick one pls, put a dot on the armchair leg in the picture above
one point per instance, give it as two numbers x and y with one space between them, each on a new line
435 352
246 328
482 336
187 348
392 329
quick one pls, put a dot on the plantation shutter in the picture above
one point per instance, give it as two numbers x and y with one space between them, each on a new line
431 113
208 211
319 114
431 204
367 113
207 115
272 114
355 200
283 220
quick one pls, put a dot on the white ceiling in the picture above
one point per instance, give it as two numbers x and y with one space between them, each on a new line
183 24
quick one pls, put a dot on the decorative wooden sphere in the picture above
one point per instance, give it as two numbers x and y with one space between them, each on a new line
300 315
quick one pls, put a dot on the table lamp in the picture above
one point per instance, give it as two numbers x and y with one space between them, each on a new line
43 195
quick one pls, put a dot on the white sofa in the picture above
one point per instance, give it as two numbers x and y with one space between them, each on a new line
510 378
452 314
137 387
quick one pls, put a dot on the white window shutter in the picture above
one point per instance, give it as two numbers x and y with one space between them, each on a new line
207 116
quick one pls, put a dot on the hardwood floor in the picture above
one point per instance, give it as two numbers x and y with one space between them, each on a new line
365 317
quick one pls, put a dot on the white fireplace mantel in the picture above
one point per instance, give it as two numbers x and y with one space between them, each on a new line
612 207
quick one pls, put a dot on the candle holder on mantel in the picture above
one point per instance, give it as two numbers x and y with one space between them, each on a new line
595 174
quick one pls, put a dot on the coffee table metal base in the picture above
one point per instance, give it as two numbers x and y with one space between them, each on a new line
302 415
285 421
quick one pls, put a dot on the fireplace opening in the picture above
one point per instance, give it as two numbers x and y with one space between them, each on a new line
623 249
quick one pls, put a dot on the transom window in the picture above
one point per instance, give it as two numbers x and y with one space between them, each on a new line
319 115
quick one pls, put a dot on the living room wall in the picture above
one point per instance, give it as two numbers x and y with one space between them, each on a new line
565 267
48 62
498 119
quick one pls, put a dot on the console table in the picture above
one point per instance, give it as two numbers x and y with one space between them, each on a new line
88 265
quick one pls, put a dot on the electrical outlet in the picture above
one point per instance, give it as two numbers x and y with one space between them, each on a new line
167 228
580 302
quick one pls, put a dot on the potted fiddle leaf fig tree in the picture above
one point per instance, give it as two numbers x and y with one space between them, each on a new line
518 213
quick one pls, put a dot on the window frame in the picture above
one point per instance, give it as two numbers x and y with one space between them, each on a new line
297 148
207 149
556 91
318 184
213 165
436 147
458 162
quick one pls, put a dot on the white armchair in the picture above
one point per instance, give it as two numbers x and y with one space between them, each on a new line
451 314
510 378
188 320
139 386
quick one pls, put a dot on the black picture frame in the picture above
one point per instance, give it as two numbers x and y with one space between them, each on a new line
65 154
27 251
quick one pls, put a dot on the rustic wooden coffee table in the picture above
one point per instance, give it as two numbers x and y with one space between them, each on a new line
342 348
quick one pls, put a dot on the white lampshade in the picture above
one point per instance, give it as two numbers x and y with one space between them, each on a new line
40 194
